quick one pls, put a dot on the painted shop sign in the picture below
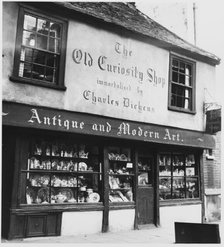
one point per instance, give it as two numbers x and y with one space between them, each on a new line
115 76
51 119
132 80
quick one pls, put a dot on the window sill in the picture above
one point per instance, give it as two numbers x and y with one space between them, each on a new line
179 109
36 83
121 205
26 209
179 202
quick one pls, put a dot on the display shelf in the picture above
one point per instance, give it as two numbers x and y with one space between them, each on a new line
57 167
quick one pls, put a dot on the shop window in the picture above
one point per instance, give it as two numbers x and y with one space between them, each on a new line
178 176
40 50
121 175
182 85
61 172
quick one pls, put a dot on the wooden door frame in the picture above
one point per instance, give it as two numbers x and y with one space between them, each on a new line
155 157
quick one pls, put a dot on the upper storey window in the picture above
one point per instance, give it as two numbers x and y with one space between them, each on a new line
40 49
182 85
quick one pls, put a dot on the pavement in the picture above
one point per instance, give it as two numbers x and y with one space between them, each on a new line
145 236
150 234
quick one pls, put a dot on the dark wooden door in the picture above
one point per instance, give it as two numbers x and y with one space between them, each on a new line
145 191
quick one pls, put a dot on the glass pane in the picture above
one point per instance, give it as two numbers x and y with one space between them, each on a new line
54 45
26 55
165 188
55 30
52 60
164 165
29 23
143 178
190 160
145 171
174 76
27 70
43 26
175 65
178 160
186 104
190 171
189 70
182 78
192 187
121 189
39 57
21 69
28 38
121 196
42 42
178 187
182 67
38 72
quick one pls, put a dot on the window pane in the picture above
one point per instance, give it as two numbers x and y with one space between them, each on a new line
55 30
192 187
38 72
174 76
175 65
27 70
26 55
29 23
182 67
182 78
178 188
190 160
165 188
39 57
54 45
43 26
165 165
178 160
28 38
41 42
52 60
50 75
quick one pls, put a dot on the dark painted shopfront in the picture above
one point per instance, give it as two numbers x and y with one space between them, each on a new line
65 161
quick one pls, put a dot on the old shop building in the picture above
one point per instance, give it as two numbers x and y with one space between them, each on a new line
103 122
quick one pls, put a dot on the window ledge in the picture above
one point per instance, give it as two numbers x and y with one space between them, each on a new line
179 202
26 209
36 83
179 109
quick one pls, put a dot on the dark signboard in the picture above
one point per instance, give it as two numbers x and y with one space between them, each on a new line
21 115
213 121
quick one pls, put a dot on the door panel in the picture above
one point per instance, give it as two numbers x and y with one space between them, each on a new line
145 190
145 205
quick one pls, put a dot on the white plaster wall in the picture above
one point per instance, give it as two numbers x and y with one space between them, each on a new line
120 220
79 77
75 223
182 213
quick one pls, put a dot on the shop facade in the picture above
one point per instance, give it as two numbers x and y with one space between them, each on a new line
101 123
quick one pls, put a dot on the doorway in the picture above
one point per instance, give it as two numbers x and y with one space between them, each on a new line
145 190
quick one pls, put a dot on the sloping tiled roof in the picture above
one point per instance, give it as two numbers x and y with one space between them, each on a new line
129 17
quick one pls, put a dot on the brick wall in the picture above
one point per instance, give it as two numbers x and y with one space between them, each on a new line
212 168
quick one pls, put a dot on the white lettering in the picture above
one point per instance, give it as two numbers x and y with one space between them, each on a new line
34 117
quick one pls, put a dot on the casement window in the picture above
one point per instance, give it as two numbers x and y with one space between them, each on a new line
40 49
182 85
178 176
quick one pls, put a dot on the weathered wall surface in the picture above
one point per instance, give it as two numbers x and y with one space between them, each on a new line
107 74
